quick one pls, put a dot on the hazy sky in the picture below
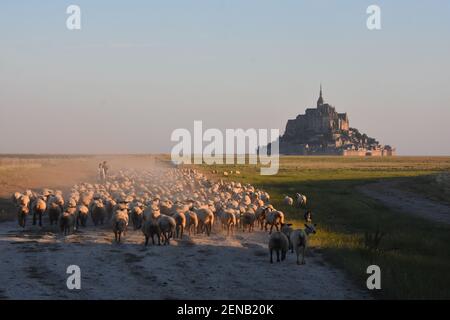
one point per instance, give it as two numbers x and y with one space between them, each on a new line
137 70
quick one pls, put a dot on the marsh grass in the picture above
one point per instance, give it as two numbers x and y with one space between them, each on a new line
413 254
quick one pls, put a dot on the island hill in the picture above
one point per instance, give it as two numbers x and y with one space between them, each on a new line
323 131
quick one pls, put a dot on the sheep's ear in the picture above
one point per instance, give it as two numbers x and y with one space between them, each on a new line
289 224
306 225
315 224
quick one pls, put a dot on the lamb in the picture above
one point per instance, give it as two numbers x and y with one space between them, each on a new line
167 226
67 222
299 240
278 242
180 219
98 212
248 220
288 201
137 216
275 219
119 224
54 211
191 221
82 213
150 229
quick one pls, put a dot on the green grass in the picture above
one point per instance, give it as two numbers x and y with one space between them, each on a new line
414 254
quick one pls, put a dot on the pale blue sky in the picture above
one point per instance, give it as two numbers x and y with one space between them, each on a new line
139 69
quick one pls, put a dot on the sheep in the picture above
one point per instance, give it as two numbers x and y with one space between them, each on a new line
274 219
288 201
150 229
286 228
191 221
15 198
67 222
228 220
82 213
167 226
38 208
260 215
137 216
299 240
98 212
119 224
300 200
54 211
278 242
248 220
22 214
308 216
180 219
205 220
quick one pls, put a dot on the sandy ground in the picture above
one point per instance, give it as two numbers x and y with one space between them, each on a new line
412 203
34 261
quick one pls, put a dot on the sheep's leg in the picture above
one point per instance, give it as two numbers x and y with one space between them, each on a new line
278 255
146 240
34 218
271 256
40 219
303 255
271 227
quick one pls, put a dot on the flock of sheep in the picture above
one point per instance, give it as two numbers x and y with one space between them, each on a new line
164 204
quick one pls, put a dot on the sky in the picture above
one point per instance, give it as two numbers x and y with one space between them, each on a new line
137 70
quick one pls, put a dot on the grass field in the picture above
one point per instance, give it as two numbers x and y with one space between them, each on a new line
414 253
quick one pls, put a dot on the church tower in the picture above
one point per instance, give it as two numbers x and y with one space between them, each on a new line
320 100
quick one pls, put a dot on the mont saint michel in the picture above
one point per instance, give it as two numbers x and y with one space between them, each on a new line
324 131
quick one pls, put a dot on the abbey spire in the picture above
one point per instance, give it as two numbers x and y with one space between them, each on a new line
320 100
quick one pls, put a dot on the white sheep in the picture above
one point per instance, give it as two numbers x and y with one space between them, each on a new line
288 201
279 243
299 240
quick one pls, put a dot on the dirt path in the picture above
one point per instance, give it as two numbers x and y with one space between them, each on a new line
34 262
390 195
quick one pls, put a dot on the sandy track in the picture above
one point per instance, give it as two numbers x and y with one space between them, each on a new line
34 263
387 193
